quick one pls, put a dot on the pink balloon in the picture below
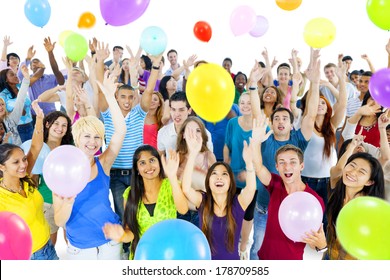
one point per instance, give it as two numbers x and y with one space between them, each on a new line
15 237
122 12
380 87
261 27
242 20
66 171
300 212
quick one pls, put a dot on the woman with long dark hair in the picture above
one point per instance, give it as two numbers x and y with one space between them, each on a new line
221 209
151 198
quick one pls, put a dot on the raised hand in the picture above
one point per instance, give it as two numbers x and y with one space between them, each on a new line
7 41
68 64
37 109
193 141
92 44
30 53
259 128
109 86
313 72
384 120
102 51
25 72
257 72
170 163
49 46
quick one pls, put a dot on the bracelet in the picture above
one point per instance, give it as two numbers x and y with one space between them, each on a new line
156 67
252 88
322 250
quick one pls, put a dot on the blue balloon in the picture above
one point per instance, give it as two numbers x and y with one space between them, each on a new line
37 12
153 40
38 166
173 240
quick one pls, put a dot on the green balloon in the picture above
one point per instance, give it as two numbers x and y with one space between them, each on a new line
76 47
363 228
379 13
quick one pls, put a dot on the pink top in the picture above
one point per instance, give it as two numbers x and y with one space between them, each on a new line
287 98
150 134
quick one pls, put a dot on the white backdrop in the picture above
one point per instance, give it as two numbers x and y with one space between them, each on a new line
356 34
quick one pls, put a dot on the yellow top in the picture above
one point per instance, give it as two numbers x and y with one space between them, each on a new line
30 209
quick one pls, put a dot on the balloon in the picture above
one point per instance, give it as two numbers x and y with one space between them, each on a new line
122 12
173 240
378 11
37 12
242 20
319 32
63 36
208 85
202 31
288 5
15 237
260 28
76 47
380 87
87 20
41 157
300 212
153 40
66 170
363 228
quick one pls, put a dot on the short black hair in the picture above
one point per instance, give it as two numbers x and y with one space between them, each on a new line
117 47
11 54
240 73
228 59
347 57
179 96
282 109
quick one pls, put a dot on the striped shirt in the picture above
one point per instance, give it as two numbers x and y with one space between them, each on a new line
133 138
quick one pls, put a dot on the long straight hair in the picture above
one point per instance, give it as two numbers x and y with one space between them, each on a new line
137 191
327 130
208 210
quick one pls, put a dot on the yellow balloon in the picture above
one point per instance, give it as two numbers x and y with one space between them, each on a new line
63 36
210 92
319 32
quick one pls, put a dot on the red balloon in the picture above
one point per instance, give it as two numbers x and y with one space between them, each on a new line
202 31
15 237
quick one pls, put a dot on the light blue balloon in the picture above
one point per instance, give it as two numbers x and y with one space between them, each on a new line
174 239
37 12
38 166
153 40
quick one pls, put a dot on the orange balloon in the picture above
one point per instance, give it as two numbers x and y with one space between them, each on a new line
87 20
288 5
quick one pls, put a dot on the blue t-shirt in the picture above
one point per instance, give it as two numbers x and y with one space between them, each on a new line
218 132
268 151
91 210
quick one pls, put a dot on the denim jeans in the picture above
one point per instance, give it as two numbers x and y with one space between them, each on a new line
119 182
48 252
320 185
25 131
108 251
259 223
191 216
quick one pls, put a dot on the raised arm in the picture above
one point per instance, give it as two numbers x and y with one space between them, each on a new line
268 79
337 170
368 60
294 95
194 145
147 95
91 61
37 138
17 112
102 53
313 74
256 75
109 155
49 46
388 53
171 165
69 89
6 43
247 193
258 136
340 106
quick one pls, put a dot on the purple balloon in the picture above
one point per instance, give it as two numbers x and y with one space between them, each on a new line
380 87
300 212
66 171
260 28
122 12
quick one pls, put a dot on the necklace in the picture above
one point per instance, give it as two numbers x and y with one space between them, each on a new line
11 190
